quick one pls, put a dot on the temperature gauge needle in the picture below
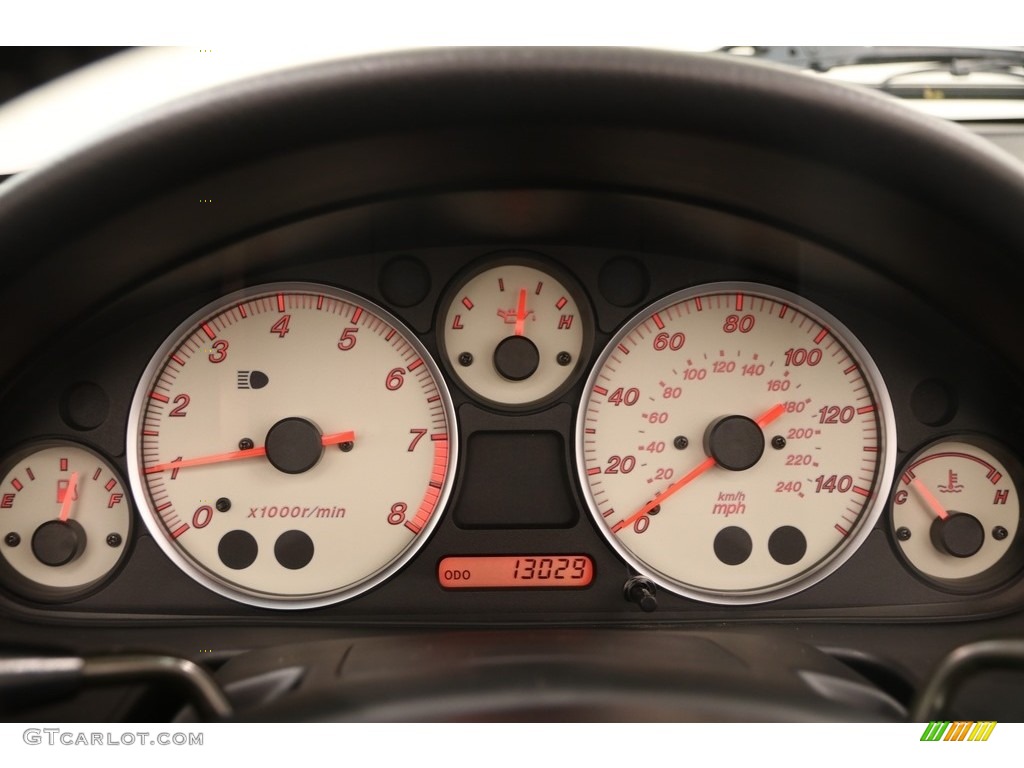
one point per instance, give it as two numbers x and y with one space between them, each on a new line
762 421
929 499
521 313
217 458
69 497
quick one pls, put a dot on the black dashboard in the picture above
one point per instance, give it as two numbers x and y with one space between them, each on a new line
626 176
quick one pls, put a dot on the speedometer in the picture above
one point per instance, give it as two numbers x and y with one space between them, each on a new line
734 443
291 445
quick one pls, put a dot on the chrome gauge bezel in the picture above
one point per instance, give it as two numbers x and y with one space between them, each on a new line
1007 567
884 473
532 260
29 588
191 567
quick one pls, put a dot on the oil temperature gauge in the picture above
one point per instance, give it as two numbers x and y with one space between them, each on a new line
65 520
515 334
956 514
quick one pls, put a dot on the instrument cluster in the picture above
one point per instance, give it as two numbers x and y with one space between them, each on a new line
723 442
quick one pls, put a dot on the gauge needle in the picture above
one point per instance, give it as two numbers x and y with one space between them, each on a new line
762 421
929 499
521 313
69 497
216 458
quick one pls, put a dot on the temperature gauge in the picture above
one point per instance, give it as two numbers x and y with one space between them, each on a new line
515 334
64 521
956 514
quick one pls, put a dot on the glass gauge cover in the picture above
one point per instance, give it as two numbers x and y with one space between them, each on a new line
735 443
956 513
65 520
515 333
291 445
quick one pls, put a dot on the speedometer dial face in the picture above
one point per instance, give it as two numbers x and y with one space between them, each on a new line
734 443
291 445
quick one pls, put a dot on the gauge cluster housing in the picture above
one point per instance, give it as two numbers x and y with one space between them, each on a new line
531 504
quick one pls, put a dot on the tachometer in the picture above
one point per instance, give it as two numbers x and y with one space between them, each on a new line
735 443
291 445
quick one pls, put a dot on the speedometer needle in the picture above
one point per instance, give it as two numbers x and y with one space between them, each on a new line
216 458
762 421
521 313
69 497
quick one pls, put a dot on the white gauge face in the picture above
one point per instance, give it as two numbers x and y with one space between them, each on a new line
64 520
956 511
734 443
514 334
291 445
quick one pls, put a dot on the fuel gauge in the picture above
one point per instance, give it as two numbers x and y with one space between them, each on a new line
516 333
65 520
956 514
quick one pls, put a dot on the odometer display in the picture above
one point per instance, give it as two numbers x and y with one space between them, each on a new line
515 571
734 443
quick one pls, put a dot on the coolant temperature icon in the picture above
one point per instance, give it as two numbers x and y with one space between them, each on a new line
953 485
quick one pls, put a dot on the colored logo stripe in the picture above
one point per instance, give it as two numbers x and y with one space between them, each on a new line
958 730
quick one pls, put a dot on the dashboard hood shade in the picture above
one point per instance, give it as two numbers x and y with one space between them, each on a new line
435 89
526 92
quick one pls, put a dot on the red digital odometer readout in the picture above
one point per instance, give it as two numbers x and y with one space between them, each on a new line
515 571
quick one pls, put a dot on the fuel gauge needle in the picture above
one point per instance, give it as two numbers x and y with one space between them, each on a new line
69 498
929 499
762 421
216 458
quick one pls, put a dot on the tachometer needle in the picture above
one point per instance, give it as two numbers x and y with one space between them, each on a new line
338 437
929 499
521 313
216 458
69 497
762 421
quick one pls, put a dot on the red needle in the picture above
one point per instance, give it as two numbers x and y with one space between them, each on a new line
338 437
929 499
216 458
770 415
762 421
69 497
521 313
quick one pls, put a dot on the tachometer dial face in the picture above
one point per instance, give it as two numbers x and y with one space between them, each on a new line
291 445
734 443
65 520
956 514
515 334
